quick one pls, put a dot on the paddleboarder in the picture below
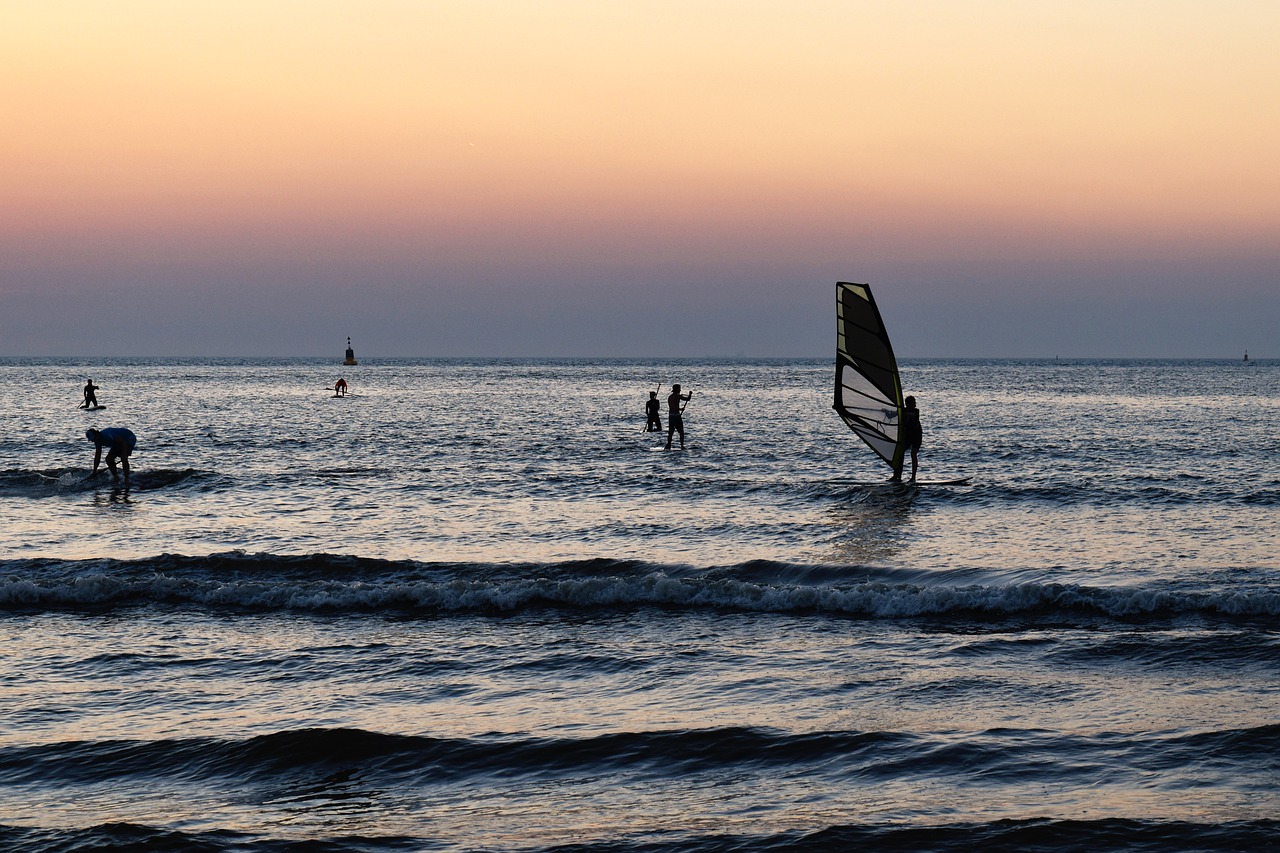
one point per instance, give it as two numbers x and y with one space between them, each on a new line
675 414
90 397
653 413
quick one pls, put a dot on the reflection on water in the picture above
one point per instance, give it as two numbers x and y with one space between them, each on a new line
870 526
117 494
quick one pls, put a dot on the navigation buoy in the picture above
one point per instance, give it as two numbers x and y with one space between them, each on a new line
351 354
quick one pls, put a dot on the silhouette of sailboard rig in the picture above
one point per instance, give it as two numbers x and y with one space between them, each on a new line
350 358
868 389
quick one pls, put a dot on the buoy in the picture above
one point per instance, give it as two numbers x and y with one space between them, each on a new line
351 354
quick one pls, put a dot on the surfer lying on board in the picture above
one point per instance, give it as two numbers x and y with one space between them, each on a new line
912 436
119 443
653 413
340 388
675 414
90 398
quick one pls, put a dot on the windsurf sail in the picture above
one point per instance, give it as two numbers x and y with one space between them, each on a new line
868 391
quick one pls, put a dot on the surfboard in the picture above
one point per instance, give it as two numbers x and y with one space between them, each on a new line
92 408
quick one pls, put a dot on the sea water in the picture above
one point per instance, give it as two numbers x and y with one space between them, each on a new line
473 606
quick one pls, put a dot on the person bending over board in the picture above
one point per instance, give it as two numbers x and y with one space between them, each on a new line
653 413
340 388
912 436
90 398
675 414
119 443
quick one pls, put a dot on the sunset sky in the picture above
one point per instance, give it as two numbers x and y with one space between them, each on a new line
595 178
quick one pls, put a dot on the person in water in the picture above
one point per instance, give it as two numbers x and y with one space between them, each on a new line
340 388
912 437
119 443
90 398
653 413
675 414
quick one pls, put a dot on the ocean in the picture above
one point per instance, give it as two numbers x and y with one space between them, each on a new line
472 606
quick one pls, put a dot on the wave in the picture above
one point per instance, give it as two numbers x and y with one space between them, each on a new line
52 482
1241 758
325 583
1014 836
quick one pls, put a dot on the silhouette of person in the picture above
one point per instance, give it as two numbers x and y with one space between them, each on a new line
90 398
912 437
652 411
675 414
340 388
119 443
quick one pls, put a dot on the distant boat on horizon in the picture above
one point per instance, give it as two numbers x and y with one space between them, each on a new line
351 354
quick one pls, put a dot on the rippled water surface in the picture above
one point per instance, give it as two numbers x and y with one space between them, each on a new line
473 606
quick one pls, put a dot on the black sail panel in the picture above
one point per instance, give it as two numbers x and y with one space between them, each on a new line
868 390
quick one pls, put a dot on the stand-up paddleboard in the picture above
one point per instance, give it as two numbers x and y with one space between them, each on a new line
91 408
963 480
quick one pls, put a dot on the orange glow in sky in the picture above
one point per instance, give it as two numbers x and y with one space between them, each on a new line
1084 109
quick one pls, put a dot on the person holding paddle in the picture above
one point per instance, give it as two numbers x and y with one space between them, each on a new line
90 395
675 414
653 413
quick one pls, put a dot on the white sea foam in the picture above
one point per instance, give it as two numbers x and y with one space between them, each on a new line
875 599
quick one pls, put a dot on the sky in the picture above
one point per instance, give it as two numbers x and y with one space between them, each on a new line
672 178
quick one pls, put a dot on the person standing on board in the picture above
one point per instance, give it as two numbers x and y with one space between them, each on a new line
90 398
340 387
912 437
119 443
653 413
675 414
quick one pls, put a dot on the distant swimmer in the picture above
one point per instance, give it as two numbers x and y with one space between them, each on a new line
675 414
912 437
653 413
340 388
119 443
90 397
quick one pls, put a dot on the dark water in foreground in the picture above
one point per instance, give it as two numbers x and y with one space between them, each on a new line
471 608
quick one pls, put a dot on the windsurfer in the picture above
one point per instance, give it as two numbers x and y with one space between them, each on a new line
912 437
675 414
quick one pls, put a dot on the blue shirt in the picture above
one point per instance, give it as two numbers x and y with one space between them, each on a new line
108 437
